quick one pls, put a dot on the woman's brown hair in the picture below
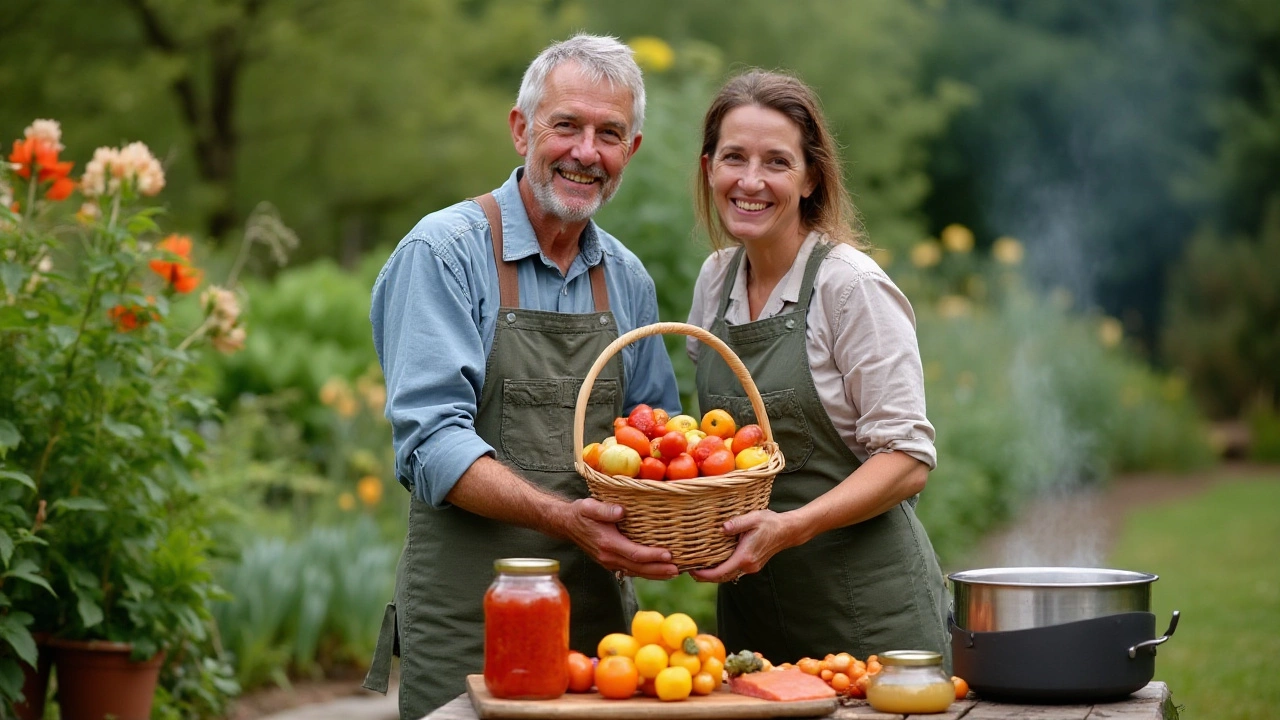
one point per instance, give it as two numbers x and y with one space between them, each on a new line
828 208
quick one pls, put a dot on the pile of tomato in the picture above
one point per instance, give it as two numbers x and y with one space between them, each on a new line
849 676
653 445
663 657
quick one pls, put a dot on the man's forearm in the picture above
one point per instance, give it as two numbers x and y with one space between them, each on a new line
490 489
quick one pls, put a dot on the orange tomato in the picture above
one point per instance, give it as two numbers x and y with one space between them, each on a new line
809 666
660 417
717 463
962 687
715 666
682 659
717 647
841 662
719 423
591 456
648 688
582 674
616 677
652 469
682 467
840 682
619 423
705 684
634 439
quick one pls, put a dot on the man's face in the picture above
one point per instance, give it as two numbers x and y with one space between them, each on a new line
576 145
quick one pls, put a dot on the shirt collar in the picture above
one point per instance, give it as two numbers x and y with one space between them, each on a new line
518 238
787 290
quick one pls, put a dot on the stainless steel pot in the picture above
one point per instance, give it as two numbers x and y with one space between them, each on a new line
1000 599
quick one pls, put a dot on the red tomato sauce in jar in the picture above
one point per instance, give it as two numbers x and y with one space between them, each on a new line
526 631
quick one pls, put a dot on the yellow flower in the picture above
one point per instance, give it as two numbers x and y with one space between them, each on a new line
882 256
347 502
953 306
1110 332
957 238
652 53
333 390
1007 251
370 490
926 254
373 392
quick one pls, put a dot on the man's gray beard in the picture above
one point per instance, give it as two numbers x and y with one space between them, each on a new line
545 194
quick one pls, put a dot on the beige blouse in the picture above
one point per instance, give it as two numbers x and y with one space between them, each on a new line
861 342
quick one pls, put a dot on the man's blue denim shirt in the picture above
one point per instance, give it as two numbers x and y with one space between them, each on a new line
435 305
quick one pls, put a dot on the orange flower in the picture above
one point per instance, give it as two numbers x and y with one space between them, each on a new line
61 189
180 275
35 151
130 318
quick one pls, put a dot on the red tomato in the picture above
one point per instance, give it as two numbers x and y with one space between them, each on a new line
672 444
582 673
682 467
652 468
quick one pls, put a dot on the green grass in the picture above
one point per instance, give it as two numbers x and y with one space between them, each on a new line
1216 556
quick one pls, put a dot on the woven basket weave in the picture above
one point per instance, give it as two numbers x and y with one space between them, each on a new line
684 516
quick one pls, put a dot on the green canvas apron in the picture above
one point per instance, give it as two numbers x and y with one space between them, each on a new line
862 589
532 378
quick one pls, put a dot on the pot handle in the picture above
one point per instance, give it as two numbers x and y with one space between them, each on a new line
1173 625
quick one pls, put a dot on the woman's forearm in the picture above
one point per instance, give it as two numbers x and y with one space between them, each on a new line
878 485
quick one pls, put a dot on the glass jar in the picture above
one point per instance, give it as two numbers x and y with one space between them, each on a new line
526 630
910 681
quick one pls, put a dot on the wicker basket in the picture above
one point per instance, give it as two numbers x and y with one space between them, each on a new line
684 516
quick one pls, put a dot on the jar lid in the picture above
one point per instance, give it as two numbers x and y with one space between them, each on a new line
526 566
912 658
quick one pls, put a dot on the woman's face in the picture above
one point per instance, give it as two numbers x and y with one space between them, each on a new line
758 176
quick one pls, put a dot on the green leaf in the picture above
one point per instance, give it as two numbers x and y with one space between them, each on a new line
9 437
108 370
181 443
90 611
10 678
29 571
19 477
12 275
6 547
13 629
63 334
77 503
124 431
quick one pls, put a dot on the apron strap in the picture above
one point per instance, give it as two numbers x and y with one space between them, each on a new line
730 276
379 677
820 251
509 282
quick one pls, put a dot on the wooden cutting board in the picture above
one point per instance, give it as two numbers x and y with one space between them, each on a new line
719 704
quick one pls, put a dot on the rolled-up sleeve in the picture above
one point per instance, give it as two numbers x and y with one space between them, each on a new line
426 333
876 351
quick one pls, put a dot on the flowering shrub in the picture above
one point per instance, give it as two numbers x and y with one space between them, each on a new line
104 535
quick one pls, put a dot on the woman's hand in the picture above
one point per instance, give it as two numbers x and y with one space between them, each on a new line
761 535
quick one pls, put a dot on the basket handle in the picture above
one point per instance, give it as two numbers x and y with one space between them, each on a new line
666 328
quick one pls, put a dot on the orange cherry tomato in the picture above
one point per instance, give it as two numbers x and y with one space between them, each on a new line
717 647
705 684
962 687
617 677
582 674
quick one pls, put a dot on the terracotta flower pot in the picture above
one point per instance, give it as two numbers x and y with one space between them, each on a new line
97 680
35 682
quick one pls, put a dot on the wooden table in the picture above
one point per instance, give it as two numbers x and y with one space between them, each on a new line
1153 702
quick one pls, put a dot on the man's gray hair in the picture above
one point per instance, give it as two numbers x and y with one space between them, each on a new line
600 57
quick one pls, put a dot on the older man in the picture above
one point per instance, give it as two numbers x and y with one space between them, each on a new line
486 318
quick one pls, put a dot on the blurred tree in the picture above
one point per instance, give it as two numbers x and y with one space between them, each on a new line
354 123
1089 120
865 62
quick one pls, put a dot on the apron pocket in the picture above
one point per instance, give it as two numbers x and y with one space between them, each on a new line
786 419
537 420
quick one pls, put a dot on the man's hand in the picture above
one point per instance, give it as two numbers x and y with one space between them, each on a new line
591 525
491 489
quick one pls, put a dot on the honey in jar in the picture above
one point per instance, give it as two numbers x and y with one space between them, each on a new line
526 630
909 682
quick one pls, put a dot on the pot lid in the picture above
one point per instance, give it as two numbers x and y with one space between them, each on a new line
1052 577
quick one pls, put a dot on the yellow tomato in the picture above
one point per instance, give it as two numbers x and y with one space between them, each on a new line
751 457
714 666
651 659
617 644
675 628
705 683
682 423
646 627
683 659
674 683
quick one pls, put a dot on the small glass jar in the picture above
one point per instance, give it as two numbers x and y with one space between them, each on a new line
910 681
526 630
